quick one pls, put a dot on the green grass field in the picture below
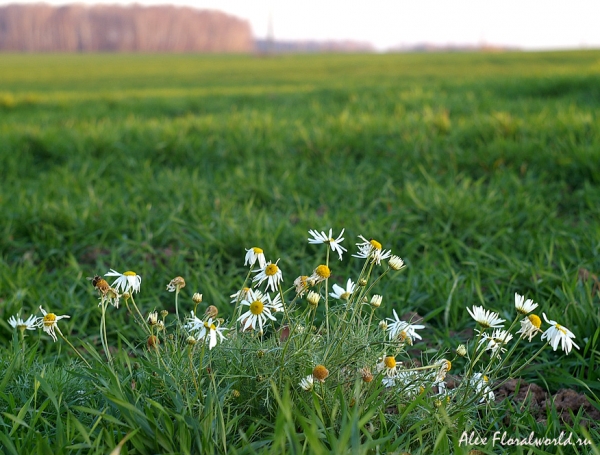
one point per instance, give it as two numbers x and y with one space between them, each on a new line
481 170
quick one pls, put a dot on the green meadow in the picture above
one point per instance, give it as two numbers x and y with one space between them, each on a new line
480 170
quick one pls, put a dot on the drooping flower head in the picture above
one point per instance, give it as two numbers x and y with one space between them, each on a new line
126 282
334 244
530 326
48 322
208 330
481 384
403 330
496 341
341 293
307 383
176 284
559 334
321 273
255 254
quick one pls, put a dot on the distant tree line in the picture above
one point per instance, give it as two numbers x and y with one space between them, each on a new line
111 28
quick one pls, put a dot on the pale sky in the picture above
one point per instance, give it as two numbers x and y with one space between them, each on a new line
527 24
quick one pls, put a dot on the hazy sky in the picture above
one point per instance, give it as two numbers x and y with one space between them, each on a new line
529 24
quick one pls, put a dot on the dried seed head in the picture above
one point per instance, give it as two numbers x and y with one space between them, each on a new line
212 311
320 373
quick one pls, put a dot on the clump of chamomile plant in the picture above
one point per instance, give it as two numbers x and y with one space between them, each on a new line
318 338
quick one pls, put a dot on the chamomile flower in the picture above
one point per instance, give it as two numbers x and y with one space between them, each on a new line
371 250
255 254
341 293
375 301
275 303
307 383
242 294
396 262
481 384
112 296
48 322
530 326
210 332
388 366
313 298
301 284
270 273
126 282
443 366
321 273
557 333
18 323
486 319
523 306
403 330
496 341
334 244
258 313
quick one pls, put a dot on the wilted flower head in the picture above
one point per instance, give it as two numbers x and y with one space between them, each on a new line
48 322
307 383
321 273
152 318
301 284
402 330
176 284
530 326
320 373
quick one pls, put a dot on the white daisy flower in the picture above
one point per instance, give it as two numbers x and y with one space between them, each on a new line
208 331
403 330
18 323
275 303
255 254
258 313
485 318
530 326
496 341
270 273
388 365
524 306
371 250
48 322
321 273
307 383
333 243
396 262
242 294
481 384
557 333
341 293
126 282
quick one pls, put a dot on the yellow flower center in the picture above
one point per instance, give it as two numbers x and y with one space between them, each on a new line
256 307
535 321
323 271
345 295
130 273
210 326
271 269
389 362
449 365
375 244
257 250
485 379
560 329
49 319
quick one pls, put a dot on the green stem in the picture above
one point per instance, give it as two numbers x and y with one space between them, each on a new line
73 347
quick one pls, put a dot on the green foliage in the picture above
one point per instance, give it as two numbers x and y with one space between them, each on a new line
480 170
